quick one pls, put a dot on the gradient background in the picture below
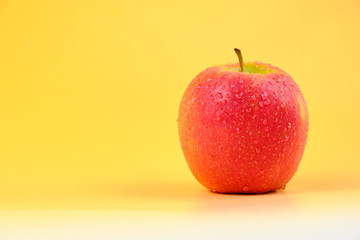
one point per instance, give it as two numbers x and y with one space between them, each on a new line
89 98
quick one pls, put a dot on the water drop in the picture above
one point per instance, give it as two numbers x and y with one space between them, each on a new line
248 110
262 172
238 130
286 138
253 97
250 133
261 104
224 122
282 104
227 96
198 86
289 125
232 85
219 95
245 189
257 150
284 148
238 95
267 102
267 129
253 117
264 95
241 81
235 103
223 101
264 121
275 95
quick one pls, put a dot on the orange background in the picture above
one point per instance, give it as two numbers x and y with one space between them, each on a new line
90 92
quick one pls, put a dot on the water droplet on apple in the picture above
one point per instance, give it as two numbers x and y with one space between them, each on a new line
284 148
235 103
253 117
248 110
223 101
286 138
264 95
250 133
232 85
253 97
257 150
267 129
219 95
238 95
264 121
227 96
275 95
261 104
245 189
289 125
267 102
224 122
282 104
241 81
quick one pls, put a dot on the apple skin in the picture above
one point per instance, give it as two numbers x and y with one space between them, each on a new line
243 132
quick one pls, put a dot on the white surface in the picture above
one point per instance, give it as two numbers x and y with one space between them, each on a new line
93 224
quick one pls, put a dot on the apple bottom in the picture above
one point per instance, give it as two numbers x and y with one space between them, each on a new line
242 176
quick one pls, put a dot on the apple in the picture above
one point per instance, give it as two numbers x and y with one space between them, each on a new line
243 127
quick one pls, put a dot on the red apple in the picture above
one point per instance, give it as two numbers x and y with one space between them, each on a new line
243 129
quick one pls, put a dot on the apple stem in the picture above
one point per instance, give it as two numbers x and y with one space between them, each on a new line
241 61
